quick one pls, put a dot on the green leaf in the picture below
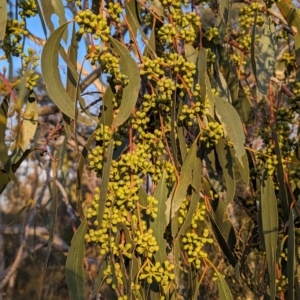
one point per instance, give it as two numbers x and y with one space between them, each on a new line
239 99
3 18
54 7
105 180
99 281
71 79
107 108
51 75
185 179
243 167
131 91
291 266
159 224
27 130
74 265
266 55
224 231
284 200
290 14
232 126
252 48
195 198
226 163
204 79
197 174
131 8
269 220
224 290
81 164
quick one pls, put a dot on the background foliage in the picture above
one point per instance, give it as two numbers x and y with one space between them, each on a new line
149 150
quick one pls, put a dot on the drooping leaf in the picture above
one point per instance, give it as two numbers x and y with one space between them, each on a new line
203 78
280 177
244 167
291 266
185 179
159 224
27 130
226 163
266 55
71 79
290 14
131 91
197 174
192 208
54 7
232 126
238 97
269 213
81 164
3 18
74 265
99 281
50 71
252 47
222 19
224 290
105 180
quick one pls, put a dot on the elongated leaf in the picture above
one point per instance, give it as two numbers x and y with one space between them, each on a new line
50 71
291 266
81 163
159 224
226 163
197 174
290 14
185 179
132 17
3 18
269 214
99 281
54 7
105 181
232 126
244 167
188 220
266 57
27 130
239 99
224 290
74 265
252 48
203 77
131 91
280 177
71 79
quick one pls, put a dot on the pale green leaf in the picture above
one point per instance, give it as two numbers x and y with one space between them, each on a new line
27 130
224 290
54 7
131 91
105 180
243 167
266 55
232 126
195 198
226 163
3 18
185 179
51 75
159 224
269 213
291 266
74 265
